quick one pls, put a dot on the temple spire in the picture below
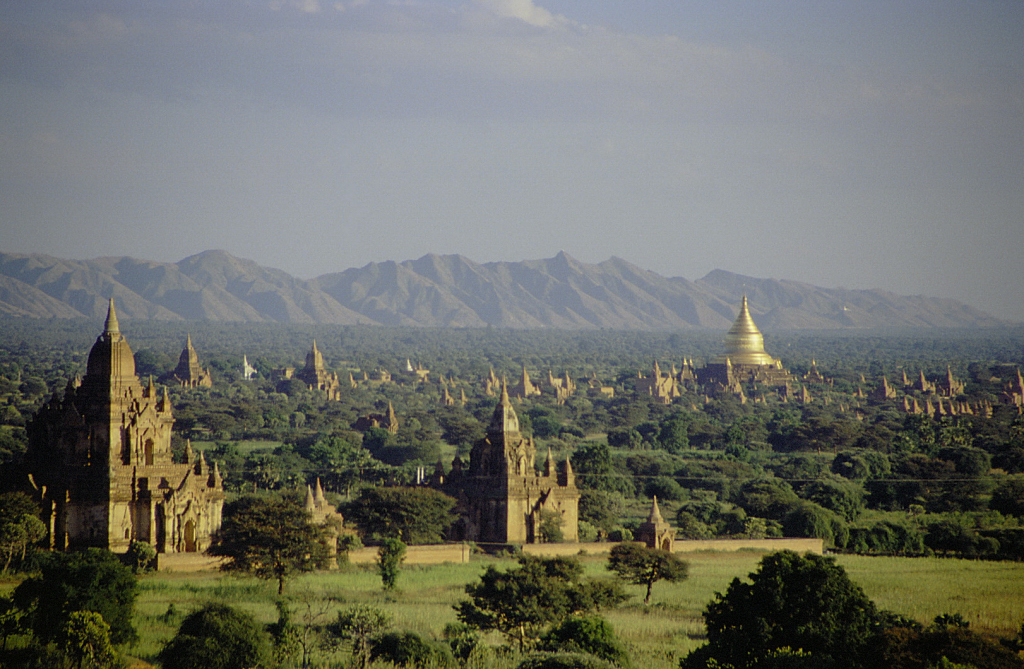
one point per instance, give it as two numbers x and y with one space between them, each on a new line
744 343
111 326
655 516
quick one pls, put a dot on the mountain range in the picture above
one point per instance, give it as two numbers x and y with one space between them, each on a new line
451 291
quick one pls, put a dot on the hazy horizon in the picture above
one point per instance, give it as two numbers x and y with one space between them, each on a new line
847 144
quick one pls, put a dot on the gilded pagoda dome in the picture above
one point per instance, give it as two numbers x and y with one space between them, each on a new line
744 343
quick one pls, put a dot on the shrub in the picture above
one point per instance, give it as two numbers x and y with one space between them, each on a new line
390 556
217 636
589 634
563 661
408 649
141 557
886 538
903 648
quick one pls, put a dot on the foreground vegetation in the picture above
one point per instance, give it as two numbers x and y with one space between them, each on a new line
989 595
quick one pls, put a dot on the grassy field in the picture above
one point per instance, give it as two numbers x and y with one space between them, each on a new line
988 594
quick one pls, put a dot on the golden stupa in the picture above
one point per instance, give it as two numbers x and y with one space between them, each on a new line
744 343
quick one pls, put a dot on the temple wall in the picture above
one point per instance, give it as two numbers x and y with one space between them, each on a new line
433 554
798 545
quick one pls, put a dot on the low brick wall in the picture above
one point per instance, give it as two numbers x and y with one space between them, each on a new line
816 546
187 562
459 553
435 554
687 546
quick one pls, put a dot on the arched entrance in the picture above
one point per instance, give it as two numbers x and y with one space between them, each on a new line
190 536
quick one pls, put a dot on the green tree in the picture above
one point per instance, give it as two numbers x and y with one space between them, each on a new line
141 557
551 527
358 626
12 620
640 565
807 519
520 602
601 508
390 556
792 601
673 433
270 538
89 580
596 470
20 527
85 638
837 495
414 515
1008 497
587 634
343 463
217 636
766 498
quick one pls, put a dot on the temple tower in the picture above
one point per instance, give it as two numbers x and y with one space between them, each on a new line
100 460
503 498
655 531
189 373
744 343
743 359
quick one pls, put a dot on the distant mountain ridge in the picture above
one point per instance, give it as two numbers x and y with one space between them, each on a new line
451 291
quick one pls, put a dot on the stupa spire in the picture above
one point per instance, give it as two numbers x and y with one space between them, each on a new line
655 516
111 326
744 343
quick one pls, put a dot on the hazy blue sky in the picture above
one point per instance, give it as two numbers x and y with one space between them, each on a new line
865 144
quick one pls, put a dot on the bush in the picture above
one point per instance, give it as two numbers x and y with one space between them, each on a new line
408 649
903 648
217 636
886 538
390 556
563 661
141 557
462 639
589 634
664 488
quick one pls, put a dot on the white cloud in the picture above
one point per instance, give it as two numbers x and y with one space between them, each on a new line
525 11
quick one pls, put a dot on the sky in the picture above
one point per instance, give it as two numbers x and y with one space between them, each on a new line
855 144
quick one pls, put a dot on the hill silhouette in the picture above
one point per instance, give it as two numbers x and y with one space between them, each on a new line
451 291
